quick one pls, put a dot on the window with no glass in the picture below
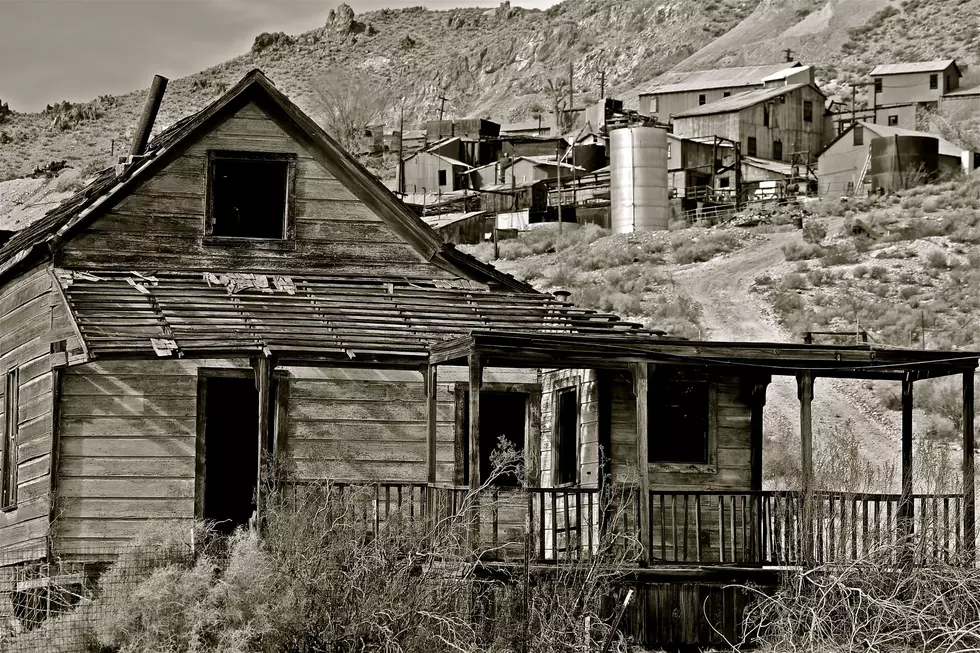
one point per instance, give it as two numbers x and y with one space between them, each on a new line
566 436
679 420
807 111
934 81
777 150
702 99
892 121
751 147
250 195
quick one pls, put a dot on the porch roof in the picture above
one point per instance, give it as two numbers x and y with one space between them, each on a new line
617 350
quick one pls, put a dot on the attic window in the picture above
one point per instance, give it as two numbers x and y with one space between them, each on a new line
250 197
934 81
727 94
442 177
702 99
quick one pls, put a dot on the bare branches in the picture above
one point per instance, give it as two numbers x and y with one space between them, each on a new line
348 102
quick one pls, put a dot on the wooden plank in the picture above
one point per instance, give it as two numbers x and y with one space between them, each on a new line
641 376
127 405
366 411
128 426
367 431
109 384
380 391
432 421
110 466
380 451
95 508
906 510
135 487
134 447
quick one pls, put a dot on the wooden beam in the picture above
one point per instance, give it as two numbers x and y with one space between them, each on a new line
805 390
263 380
532 444
969 477
641 386
476 382
757 400
906 508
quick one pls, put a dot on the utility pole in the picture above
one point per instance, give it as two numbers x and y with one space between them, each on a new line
571 96
789 55
558 168
442 109
401 151
602 84
738 176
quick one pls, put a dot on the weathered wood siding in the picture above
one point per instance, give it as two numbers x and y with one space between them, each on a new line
786 124
32 317
586 383
161 224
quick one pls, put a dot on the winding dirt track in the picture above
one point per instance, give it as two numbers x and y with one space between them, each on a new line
732 312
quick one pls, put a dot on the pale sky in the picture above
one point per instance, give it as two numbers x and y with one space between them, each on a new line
52 50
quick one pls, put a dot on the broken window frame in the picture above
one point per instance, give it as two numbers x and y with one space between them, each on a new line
656 420
8 464
461 393
288 241
565 447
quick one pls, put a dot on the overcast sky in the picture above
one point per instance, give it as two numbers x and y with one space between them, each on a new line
52 50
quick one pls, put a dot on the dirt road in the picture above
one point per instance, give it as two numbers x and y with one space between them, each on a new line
732 312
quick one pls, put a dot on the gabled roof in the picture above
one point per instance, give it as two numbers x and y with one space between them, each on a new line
548 161
705 80
945 147
937 65
39 240
742 100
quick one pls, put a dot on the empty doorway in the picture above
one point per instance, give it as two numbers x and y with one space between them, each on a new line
231 450
502 417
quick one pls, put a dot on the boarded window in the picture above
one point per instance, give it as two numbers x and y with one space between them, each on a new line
877 84
679 418
807 111
765 115
442 177
11 405
250 194
566 436
892 121
858 134
702 99
777 150
934 81
502 421
751 146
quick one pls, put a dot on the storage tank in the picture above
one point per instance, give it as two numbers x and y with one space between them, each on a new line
900 162
638 179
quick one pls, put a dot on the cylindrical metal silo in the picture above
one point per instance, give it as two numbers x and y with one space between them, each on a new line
638 179
900 162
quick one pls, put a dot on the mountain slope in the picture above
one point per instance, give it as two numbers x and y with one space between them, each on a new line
485 62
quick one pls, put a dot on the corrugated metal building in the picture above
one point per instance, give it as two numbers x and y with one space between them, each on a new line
681 91
769 123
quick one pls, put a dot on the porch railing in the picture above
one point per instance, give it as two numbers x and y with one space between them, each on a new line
695 528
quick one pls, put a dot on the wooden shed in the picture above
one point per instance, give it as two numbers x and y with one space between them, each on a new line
244 307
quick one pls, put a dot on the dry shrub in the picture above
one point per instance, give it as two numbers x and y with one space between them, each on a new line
795 251
872 604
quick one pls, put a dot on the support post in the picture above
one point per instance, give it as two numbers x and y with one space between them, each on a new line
476 382
263 381
805 390
757 400
969 478
431 381
641 386
906 508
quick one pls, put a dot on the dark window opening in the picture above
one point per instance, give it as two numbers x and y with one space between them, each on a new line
947 83
442 177
502 415
765 115
678 429
702 99
859 134
750 148
11 408
782 99
892 121
726 94
566 436
976 160
807 111
877 84
724 182
777 150
934 81
231 450
249 195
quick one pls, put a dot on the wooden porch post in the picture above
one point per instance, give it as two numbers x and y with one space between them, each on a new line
805 390
263 381
969 498
641 385
430 382
906 508
476 382
757 400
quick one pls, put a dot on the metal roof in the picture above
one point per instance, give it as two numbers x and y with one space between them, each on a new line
936 65
964 92
740 101
214 313
945 147
703 80
446 219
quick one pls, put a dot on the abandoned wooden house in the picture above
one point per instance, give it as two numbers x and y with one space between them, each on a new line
243 301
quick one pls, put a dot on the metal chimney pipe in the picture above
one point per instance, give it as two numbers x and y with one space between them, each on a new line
145 125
